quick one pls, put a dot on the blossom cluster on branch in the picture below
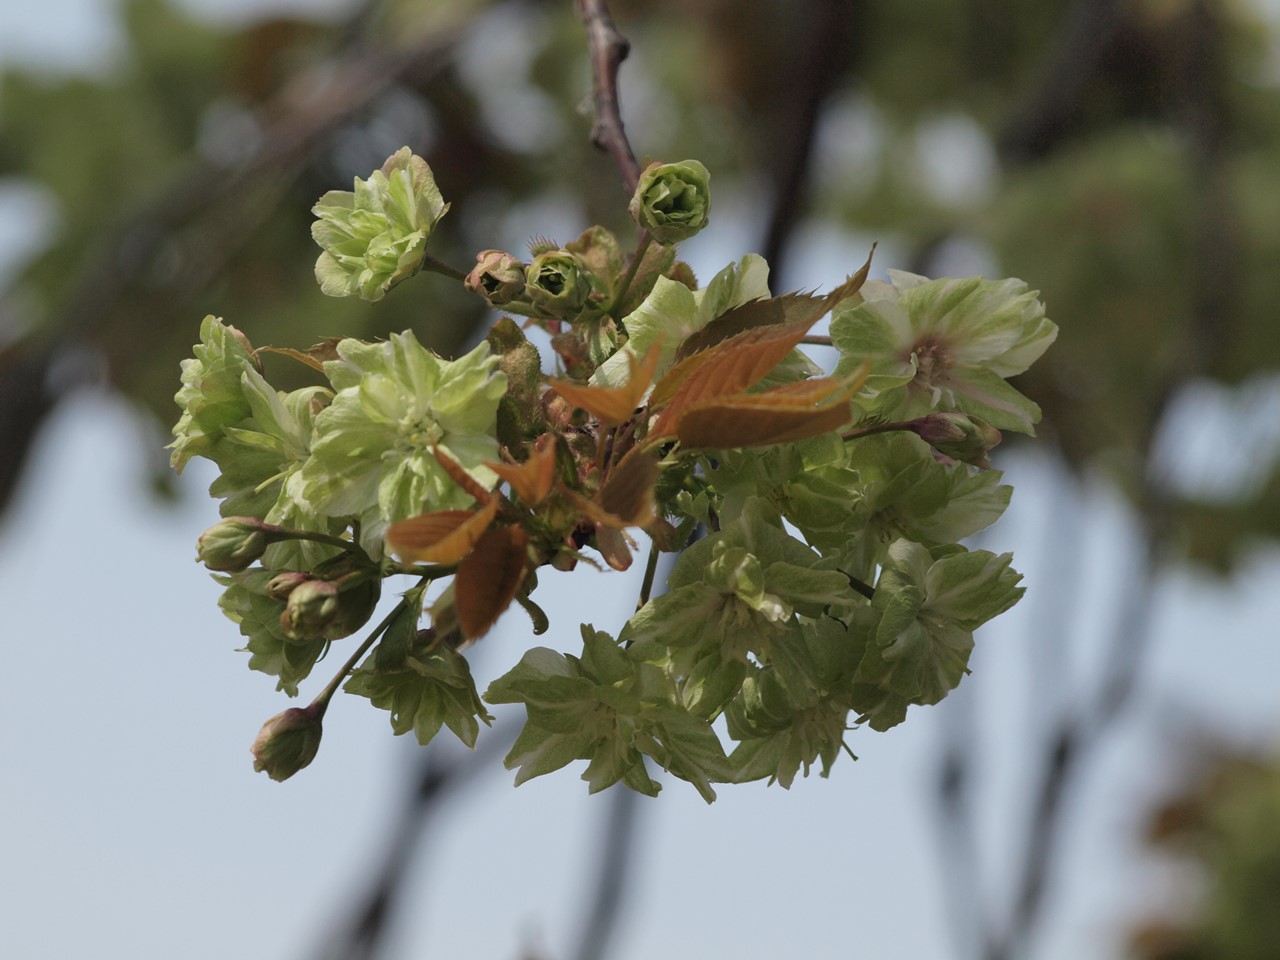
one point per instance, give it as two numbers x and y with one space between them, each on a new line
820 583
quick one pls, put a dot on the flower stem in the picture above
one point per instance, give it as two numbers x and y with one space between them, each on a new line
641 249
322 699
857 432
651 568
429 571
439 266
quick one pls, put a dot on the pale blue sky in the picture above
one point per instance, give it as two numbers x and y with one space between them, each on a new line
134 826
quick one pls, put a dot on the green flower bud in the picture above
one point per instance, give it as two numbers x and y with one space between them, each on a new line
376 236
959 436
288 742
355 607
672 200
311 608
497 276
231 545
555 285
282 584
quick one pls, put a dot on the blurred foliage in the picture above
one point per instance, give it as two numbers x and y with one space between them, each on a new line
1224 825
1122 158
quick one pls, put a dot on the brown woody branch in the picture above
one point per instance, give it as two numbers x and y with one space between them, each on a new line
608 49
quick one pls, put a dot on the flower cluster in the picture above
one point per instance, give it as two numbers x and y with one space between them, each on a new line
820 584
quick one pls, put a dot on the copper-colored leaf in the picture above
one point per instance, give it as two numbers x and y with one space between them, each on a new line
531 481
730 368
612 544
460 476
489 579
754 313
788 308
820 388
705 428
445 536
853 283
314 357
613 405
781 415
673 379
627 493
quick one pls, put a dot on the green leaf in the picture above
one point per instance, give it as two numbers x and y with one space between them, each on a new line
671 312
401 635
607 708
430 689
245 603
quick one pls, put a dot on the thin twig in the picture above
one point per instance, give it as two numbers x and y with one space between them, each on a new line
1045 117
819 61
1079 735
608 49
617 846
364 932
956 834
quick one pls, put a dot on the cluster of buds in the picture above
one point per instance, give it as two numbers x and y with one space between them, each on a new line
553 287
315 607
672 202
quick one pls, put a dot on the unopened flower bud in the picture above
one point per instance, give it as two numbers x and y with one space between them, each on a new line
555 285
288 742
959 436
672 200
355 607
497 276
282 584
231 545
311 607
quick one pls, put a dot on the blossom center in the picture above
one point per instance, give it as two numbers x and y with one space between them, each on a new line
932 359
418 433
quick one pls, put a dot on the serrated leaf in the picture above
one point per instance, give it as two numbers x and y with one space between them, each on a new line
398 641
489 578
613 405
613 546
627 492
781 415
458 474
789 308
531 480
444 536
674 378
432 689
730 368
314 357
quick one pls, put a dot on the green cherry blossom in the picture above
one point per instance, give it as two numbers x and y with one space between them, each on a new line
927 604
949 344
397 404
375 236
